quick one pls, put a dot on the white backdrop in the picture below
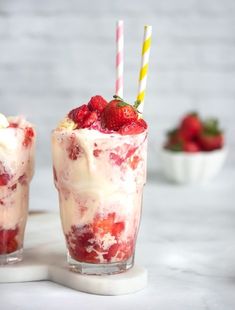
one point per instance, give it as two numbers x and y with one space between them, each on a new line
55 54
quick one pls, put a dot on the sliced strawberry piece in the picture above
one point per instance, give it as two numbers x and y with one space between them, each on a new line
133 128
104 225
118 228
4 179
116 158
134 162
111 252
12 246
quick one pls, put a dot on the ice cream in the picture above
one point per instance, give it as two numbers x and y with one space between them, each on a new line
99 173
16 171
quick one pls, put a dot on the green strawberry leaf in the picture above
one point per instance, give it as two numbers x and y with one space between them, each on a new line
176 147
211 127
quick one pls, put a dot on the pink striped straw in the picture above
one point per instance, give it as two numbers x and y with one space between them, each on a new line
119 58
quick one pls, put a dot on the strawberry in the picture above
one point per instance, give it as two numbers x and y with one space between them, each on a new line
79 114
104 225
97 103
211 137
118 228
174 140
134 162
4 179
133 128
190 126
191 147
83 117
89 119
8 243
118 113
111 252
29 134
177 143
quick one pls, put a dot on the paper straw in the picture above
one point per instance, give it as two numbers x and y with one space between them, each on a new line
144 66
119 58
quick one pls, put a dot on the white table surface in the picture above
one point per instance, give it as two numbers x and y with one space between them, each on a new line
186 242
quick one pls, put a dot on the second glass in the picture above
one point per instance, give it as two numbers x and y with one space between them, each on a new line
16 170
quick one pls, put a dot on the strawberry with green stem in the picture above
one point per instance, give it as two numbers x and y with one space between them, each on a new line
212 137
122 117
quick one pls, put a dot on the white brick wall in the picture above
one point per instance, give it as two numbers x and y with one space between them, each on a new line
55 54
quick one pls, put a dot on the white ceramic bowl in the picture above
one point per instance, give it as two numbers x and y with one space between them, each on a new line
188 168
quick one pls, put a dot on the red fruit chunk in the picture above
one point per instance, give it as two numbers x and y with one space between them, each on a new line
97 103
116 158
104 225
13 125
190 126
29 134
118 228
78 114
23 179
133 128
191 147
8 243
4 179
111 252
74 151
97 152
118 113
89 119
134 162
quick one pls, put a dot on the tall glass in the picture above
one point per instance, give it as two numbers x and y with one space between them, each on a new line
16 171
100 179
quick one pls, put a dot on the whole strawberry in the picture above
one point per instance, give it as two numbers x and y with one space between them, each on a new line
211 137
118 113
79 114
83 117
97 103
190 126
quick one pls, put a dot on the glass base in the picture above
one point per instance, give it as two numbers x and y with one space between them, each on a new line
15 257
99 269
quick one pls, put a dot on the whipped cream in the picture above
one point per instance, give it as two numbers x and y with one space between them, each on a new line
66 123
3 121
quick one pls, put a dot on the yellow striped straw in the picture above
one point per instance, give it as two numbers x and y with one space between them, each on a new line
144 66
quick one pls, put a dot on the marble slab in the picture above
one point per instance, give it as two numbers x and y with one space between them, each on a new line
47 261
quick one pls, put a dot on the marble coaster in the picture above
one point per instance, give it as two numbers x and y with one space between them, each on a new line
49 263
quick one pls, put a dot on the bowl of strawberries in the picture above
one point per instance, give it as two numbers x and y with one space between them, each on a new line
194 151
